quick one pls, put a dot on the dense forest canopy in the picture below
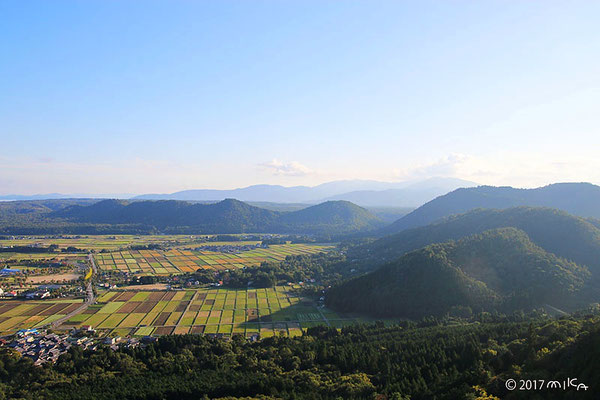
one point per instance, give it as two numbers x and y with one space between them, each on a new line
427 360
498 269
555 231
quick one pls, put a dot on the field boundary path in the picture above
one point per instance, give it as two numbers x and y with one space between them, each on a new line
89 300
187 308
323 316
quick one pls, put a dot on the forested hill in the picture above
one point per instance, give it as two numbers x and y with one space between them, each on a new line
557 232
225 216
582 199
331 214
170 216
497 270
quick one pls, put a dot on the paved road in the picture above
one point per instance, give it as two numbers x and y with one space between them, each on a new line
89 298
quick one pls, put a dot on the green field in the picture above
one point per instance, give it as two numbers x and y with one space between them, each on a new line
157 262
268 312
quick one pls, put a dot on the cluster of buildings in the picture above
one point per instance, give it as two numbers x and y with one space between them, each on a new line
42 347
43 292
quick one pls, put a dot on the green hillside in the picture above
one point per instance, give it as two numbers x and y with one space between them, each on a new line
332 216
498 269
555 231
581 199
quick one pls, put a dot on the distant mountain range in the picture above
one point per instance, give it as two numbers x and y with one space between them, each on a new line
172 216
582 199
499 269
366 193
361 192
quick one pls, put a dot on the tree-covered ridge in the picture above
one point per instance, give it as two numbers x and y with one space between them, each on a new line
170 216
498 269
557 232
417 361
582 199
331 214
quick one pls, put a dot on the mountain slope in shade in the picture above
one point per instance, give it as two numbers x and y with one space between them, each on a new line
581 199
498 269
227 216
555 231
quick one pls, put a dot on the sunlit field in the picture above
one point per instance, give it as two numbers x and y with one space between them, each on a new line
15 315
264 312
178 261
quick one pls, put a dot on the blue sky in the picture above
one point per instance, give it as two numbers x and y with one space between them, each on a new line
132 97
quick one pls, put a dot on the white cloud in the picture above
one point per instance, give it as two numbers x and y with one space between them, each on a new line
293 168
446 166
519 169
511 169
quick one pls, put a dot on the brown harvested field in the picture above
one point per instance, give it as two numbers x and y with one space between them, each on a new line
37 309
71 308
252 313
169 296
125 296
199 329
128 307
7 307
146 306
195 307
53 277
162 318
182 306
156 296
163 330
55 309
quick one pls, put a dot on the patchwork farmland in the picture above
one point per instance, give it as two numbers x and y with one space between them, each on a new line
264 312
154 262
102 242
15 315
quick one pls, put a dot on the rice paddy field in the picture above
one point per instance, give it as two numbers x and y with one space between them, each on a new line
15 315
100 242
248 312
154 262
